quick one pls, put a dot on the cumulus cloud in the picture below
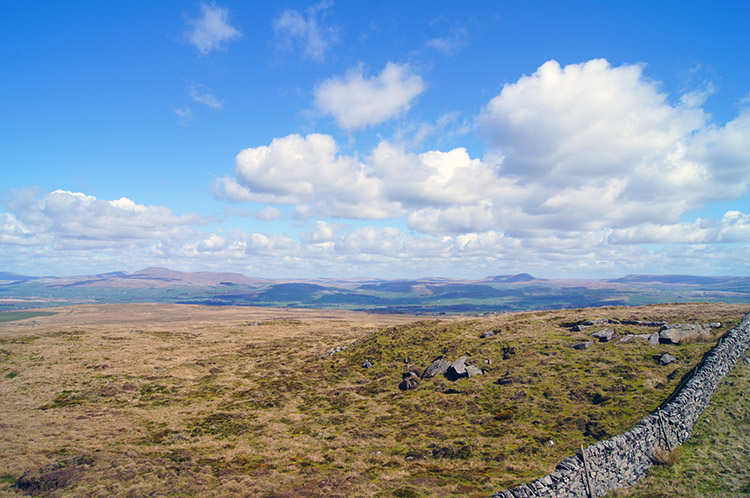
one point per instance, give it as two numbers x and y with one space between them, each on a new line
306 30
78 220
212 30
357 101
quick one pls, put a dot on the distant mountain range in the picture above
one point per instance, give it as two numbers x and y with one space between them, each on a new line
429 295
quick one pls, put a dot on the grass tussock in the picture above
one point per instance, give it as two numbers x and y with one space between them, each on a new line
664 456
192 401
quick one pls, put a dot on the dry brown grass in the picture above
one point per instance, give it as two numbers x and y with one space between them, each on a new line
664 456
189 400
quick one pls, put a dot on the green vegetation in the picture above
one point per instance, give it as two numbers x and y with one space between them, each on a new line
12 316
714 461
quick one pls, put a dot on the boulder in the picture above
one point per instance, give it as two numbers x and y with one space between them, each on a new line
410 381
457 369
626 338
471 371
653 339
681 332
438 367
604 335
487 334
666 359
367 364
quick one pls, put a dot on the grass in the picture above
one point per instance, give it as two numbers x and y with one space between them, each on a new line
191 401
714 461
12 316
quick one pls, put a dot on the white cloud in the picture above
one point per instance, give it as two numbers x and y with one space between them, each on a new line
356 101
212 30
205 97
294 28
268 213
733 227
74 219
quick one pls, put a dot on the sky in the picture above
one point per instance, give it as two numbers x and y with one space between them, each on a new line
383 139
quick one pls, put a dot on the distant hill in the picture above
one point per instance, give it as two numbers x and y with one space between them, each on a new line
430 295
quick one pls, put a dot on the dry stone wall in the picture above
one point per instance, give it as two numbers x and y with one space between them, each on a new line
623 459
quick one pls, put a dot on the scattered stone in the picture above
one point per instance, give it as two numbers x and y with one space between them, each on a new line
457 369
681 332
584 345
410 381
471 371
367 364
438 367
549 444
604 335
713 325
666 359
653 339
579 327
487 334
626 338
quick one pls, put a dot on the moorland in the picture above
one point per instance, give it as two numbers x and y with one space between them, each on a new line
190 400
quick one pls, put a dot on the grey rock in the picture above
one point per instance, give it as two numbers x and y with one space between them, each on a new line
666 359
653 339
714 325
680 332
471 371
367 364
604 335
579 327
487 334
626 338
438 367
584 345
459 366
457 369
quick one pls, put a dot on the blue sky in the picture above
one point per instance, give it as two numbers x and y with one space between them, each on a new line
385 139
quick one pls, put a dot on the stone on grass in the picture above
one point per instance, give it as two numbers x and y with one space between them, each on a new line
471 371
680 332
438 367
604 335
457 369
367 364
666 359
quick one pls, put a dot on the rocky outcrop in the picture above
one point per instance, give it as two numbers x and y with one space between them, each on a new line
682 332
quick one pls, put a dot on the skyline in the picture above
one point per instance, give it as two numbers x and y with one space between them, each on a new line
337 140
